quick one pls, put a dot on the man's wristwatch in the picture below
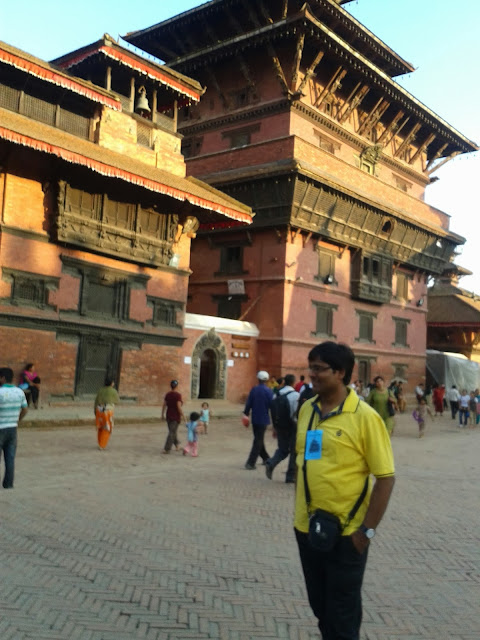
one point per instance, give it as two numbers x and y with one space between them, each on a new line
368 533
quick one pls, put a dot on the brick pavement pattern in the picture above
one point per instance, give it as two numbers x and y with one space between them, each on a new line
132 544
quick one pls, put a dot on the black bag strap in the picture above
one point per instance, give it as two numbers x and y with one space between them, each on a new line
360 498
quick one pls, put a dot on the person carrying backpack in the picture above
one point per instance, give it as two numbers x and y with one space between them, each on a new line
284 410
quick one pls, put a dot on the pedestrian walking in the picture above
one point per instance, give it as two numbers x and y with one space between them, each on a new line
419 415
205 415
463 405
341 442
384 403
172 411
258 403
103 408
192 435
453 395
13 407
284 411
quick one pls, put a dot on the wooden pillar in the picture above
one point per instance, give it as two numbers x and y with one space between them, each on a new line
108 79
154 105
132 94
175 115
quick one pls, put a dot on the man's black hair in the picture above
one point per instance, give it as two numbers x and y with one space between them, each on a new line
108 381
7 373
289 380
194 416
338 356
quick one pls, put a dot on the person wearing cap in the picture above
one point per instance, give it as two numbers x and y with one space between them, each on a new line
172 411
258 403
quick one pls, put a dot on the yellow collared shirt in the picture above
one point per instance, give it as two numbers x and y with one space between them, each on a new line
355 444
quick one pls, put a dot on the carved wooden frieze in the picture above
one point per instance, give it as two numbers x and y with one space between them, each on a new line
125 230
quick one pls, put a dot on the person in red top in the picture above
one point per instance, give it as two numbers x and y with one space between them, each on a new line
300 384
172 410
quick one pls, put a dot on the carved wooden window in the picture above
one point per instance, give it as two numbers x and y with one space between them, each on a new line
326 143
240 137
131 230
365 326
231 260
324 319
144 135
42 104
241 98
83 203
399 371
164 312
326 266
192 147
152 223
29 289
401 292
401 328
120 214
402 184
229 306
104 296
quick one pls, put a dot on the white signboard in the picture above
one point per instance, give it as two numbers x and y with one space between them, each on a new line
236 287
187 360
230 363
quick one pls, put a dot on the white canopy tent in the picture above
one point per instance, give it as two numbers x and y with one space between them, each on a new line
453 369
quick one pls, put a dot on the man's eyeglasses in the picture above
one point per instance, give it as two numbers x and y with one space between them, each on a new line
316 368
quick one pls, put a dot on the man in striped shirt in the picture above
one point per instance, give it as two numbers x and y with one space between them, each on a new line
13 407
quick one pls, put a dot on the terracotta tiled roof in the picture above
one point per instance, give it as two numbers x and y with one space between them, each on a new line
156 71
453 308
36 135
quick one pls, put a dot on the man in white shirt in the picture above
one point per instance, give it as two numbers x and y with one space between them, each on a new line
13 407
453 396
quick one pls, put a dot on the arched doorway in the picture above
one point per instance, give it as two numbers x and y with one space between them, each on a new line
208 371
209 366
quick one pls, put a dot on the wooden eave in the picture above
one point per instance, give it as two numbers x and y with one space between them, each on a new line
206 201
295 166
159 73
49 73
354 60
177 26
454 310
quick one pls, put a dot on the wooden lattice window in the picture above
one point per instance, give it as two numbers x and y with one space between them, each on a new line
365 326
324 319
164 311
401 328
29 289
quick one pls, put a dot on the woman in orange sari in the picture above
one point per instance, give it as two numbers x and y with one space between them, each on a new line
104 407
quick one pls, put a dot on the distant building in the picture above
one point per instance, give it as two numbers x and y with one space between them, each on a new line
302 120
453 319
97 218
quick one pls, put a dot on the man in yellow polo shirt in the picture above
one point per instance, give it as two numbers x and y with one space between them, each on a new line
341 443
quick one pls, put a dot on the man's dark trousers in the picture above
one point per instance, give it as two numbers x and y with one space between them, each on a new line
454 408
8 444
286 445
334 582
258 446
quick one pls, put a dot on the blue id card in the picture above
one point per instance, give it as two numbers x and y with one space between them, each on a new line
313 445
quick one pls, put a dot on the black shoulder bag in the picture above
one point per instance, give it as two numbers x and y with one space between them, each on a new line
325 528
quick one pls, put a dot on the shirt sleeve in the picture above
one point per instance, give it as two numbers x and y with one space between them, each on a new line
377 446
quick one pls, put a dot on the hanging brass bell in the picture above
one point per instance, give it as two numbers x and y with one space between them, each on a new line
142 102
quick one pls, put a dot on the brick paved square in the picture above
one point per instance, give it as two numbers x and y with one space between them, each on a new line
128 543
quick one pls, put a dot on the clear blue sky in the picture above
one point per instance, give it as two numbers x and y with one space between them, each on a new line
439 37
